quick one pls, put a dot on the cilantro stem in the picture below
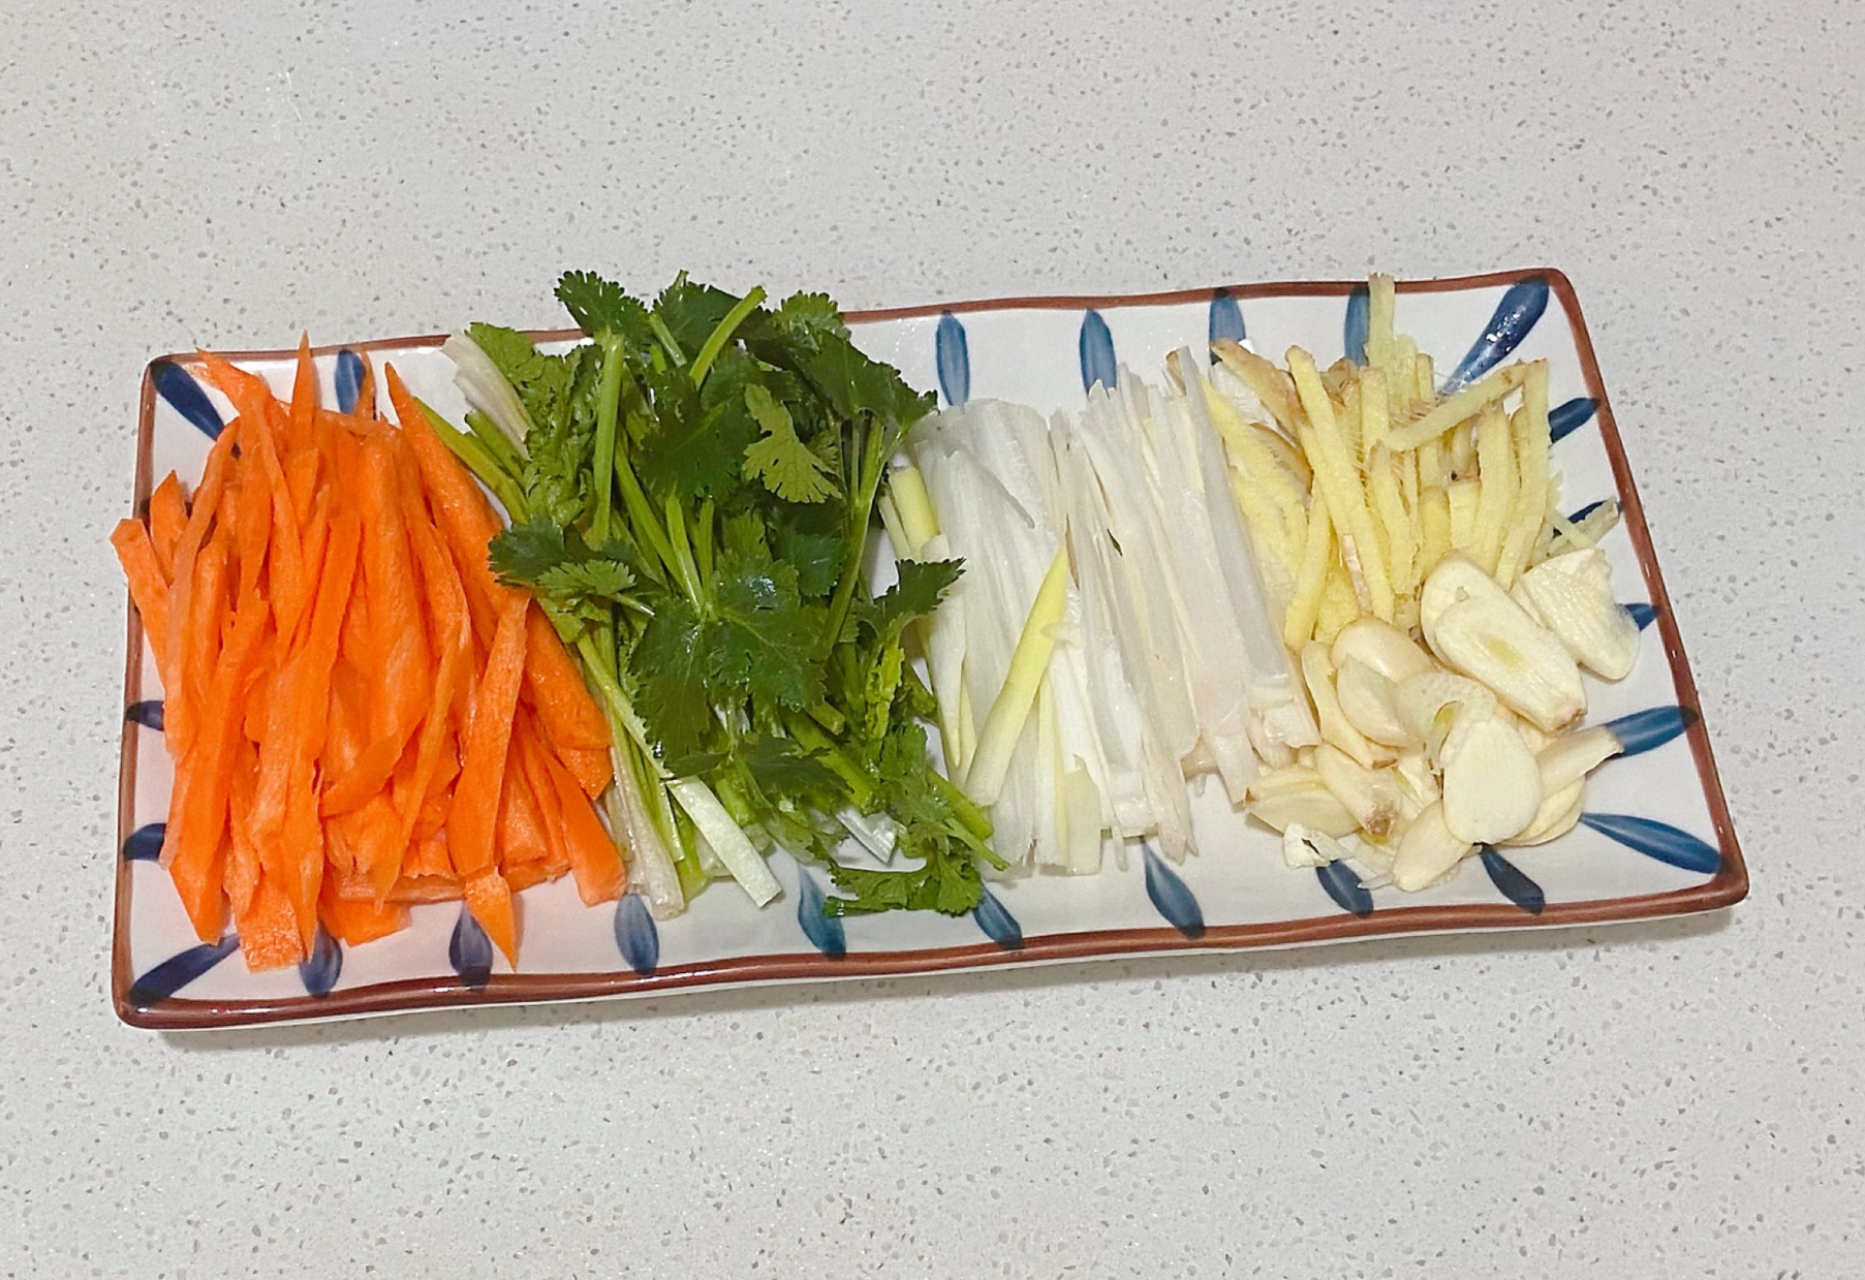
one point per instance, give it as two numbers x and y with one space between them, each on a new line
970 816
612 693
702 540
487 432
683 566
482 464
835 760
608 404
860 508
666 337
723 334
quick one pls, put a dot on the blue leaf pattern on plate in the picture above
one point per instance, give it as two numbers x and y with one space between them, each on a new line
177 386
1354 327
1657 840
1643 730
1515 316
349 379
1643 614
824 931
178 971
1097 353
469 951
998 924
320 972
1568 418
1583 512
636 935
147 714
145 843
1170 896
1226 321
1512 883
952 355
1343 885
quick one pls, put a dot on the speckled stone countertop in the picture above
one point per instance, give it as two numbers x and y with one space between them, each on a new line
1679 1098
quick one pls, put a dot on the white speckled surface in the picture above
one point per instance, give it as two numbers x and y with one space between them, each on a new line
1673 1099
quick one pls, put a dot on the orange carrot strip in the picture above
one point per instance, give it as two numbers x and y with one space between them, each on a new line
242 872
405 674
451 639
412 889
473 821
529 752
592 770
352 922
366 389
304 843
303 397
148 589
179 714
523 875
431 857
199 807
521 835
461 509
362 778
295 720
193 662
168 516
269 937
594 859
570 716
489 898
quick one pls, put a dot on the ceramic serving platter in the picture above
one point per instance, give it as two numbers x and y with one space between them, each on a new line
1656 838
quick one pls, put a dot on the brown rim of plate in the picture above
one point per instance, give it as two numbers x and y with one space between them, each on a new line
1728 886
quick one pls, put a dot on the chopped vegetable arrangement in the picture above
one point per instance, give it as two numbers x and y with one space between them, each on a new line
1345 593
361 717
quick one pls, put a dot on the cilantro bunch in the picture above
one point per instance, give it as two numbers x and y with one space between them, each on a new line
691 495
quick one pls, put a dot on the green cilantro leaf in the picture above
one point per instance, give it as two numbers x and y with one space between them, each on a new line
923 583
600 306
788 467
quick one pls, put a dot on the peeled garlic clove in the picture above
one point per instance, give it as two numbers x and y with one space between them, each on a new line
1370 795
1558 814
1429 703
1381 646
1478 631
1572 756
1314 808
1532 738
1492 784
1370 702
1304 848
1572 593
1428 851
1318 674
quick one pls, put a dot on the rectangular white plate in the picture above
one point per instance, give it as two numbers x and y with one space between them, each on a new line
1656 841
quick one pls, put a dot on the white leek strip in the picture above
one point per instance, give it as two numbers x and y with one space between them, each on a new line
877 834
486 389
1111 697
1081 820
1051 819
1004 723
734 849
628 818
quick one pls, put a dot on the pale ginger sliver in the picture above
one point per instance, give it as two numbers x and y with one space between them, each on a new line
1382 482
1337 477
1434 510
1298 625
1461 407
1500 484
1381 303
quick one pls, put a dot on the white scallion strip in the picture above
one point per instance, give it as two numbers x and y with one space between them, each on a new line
486 389
1011 708
731 844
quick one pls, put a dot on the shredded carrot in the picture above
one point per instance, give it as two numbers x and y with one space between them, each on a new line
473 821
168 516
362 717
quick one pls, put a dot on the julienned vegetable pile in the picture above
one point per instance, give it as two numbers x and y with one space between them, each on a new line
1232 574
360 716
1347 593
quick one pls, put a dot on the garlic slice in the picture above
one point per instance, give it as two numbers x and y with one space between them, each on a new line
1572 595
1370 702
1302 847
1381 646
1572 756
1559 813
1492 785
1428 851
1372 796
1477 630
1313 808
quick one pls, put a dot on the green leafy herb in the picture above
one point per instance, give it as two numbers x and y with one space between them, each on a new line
699 482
